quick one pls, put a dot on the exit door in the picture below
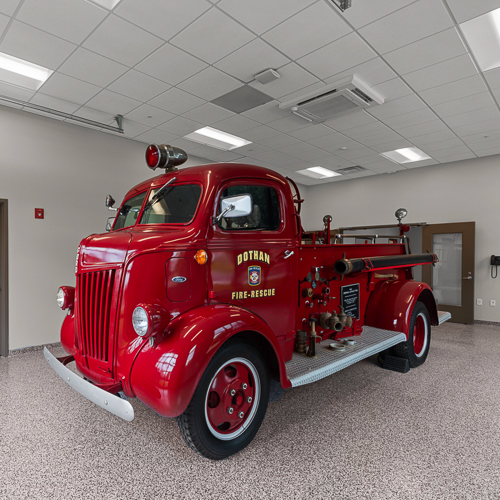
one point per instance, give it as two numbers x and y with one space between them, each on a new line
452 278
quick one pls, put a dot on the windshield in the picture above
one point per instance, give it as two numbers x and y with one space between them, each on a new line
177 205
127 216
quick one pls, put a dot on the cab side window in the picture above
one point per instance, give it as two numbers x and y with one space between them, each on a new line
266 210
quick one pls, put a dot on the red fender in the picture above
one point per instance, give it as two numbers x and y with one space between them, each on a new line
391 304
165 377
68 333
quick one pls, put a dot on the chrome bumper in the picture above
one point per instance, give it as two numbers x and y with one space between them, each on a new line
105 400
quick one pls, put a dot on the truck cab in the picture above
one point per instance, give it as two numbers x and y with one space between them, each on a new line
207 287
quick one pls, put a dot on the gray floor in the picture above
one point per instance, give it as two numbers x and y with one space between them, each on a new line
364 433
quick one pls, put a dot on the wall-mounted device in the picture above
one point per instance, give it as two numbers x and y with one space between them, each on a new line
495 261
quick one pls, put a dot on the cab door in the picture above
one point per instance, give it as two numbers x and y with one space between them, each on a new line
253 260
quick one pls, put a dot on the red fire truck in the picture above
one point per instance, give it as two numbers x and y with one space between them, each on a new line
207 287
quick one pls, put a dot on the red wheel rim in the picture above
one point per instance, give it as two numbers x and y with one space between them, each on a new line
232 398
419 335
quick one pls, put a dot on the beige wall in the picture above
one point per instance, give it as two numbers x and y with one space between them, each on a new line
454 192
67 170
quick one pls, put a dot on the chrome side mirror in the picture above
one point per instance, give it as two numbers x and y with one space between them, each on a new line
109 224
234 206
401 213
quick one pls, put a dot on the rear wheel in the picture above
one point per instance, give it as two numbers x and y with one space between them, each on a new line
416 348
229 403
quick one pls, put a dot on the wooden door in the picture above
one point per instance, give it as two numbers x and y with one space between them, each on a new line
452 278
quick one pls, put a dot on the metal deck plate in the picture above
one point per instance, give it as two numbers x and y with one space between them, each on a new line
302 370
443 316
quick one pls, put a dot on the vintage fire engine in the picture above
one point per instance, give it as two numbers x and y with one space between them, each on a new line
206 288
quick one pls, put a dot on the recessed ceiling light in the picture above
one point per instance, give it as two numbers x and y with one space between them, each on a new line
483 35
22 73
107 4
217 139
318 173
406 155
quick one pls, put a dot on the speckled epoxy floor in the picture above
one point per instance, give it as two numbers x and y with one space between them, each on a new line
364 433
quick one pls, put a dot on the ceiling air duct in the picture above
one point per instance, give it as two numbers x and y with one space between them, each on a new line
337 99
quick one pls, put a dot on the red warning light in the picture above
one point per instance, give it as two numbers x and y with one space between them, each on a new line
153 156
39 213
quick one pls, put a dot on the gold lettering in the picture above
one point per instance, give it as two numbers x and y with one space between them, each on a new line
273 290
245 256
261 293
261 256
252 294
265 293
239 259
233 295
250 254
268 261
245 294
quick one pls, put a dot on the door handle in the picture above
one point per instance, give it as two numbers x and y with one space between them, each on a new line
467 278
288 253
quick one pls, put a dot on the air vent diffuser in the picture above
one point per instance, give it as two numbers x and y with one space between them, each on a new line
351 170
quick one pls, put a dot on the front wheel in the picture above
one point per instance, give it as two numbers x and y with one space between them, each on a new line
416 348
229 403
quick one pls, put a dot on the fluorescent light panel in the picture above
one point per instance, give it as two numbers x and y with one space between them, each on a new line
318 173
406 155
217 139
107 4
22 73
483 36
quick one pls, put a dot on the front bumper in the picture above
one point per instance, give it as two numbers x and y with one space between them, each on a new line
100 397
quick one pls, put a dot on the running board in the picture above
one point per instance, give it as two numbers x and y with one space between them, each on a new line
302 370
443 316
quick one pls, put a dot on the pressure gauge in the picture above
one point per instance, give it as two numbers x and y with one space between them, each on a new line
314 284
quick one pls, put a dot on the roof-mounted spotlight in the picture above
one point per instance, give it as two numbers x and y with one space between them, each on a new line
342 4
164 156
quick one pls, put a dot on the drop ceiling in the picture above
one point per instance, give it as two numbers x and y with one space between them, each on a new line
161 63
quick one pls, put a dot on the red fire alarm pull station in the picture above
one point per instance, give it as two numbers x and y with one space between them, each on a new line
39 213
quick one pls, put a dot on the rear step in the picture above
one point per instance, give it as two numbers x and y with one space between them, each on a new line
302 370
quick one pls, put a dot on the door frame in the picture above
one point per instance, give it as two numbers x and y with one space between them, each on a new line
4 279
465 312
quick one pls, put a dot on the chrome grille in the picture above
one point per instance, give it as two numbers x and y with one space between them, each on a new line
94 295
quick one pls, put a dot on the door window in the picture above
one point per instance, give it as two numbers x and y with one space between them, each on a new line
265 215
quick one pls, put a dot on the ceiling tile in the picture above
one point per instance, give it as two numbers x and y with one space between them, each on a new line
442 153
355 154
149 116
457 157
409 119
427 127
454 90
180 126
266 113
366 11
304 151
236 124
35 46
15 92
330 142
383 138
328 26
418 164
422 140
122 41
210 84
185 65
293 78
465 104
138 86
352 120
338 56
95 115
54 103
398 107
155 18
278 141
176 101
423 53
412 23
155 136
493 78
391 146
276 158
250 150
371 72
446 144
259 133
112 102
392 89
367 130
4 21
9 6
289 124
463 11
305 134
385 166
251 59
133 129
262 15
488 152
441 73
92 68
471 117
69 89
216 43
471 140
208 114
335 162
72 20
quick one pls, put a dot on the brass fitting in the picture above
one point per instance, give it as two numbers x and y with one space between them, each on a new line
301 342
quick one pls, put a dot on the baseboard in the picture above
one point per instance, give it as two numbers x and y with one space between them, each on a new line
33 348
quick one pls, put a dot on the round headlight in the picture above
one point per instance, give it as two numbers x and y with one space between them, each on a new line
140 321
60 298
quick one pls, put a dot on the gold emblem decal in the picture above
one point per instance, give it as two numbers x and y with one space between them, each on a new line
253 255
